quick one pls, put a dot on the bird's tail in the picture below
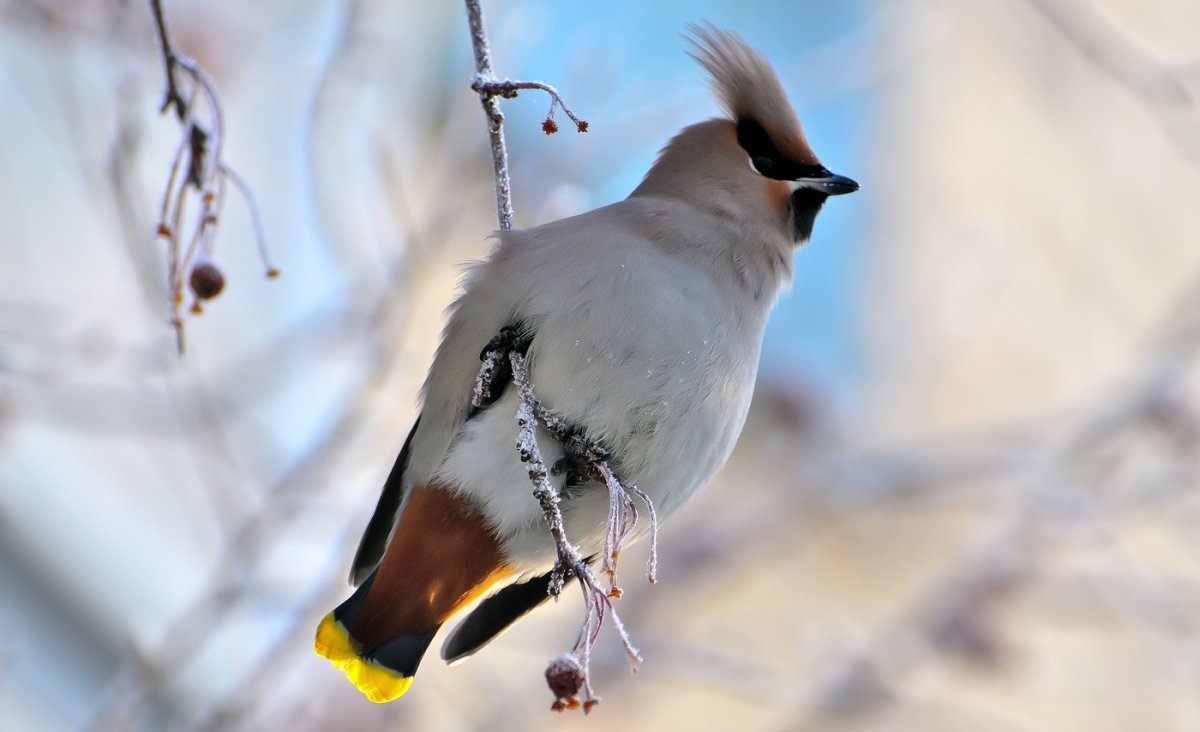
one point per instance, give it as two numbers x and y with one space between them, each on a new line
382 673
442 556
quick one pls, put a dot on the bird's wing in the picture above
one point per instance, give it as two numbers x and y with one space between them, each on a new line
531 277
486 306
379 529
495 615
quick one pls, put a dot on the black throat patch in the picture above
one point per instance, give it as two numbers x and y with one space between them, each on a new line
806 204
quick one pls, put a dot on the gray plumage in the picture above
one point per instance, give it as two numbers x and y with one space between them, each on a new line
645 320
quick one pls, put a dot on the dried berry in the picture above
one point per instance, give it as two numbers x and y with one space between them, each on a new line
206 280
565 677
549 126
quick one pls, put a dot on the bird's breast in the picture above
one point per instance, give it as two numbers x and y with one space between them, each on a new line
666 389
645 351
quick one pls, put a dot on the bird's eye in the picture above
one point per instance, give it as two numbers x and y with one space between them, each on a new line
765 157
763 164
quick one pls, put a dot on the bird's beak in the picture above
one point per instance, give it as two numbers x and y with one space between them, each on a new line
831 184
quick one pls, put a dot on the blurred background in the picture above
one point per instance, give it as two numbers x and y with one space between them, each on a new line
966 495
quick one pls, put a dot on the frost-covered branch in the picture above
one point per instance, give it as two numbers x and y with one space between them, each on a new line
567 675
502 359
508 89
489 88
198 173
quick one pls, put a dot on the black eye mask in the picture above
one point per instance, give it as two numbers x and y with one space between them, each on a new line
766 158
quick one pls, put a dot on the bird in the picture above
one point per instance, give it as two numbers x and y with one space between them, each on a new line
641 323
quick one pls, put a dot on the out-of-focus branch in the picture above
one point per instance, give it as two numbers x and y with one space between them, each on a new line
962 615
172 97
1118 55
197 171
1162 86
150 672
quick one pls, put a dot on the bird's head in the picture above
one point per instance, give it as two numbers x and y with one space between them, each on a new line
759 154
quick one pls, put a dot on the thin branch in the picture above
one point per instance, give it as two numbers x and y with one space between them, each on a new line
260 235
205 176
567 675
569 560
652 559
488 87
508 89
172 97
491 108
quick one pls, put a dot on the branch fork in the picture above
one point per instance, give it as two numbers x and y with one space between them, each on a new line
508 89
489 89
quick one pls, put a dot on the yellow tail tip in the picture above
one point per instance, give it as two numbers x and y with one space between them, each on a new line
333 640
376 682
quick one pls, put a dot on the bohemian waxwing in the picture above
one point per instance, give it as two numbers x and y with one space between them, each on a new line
643 322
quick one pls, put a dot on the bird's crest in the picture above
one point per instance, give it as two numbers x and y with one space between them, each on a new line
751 94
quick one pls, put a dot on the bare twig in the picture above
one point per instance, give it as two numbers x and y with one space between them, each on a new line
569 560
489 88
567 675
508 89
491 108
652 560
172 97
199 170
260 232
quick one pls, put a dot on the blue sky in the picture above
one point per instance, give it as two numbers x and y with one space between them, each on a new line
630 51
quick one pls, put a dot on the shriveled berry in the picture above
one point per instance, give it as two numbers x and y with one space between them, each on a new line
206 280
565 678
